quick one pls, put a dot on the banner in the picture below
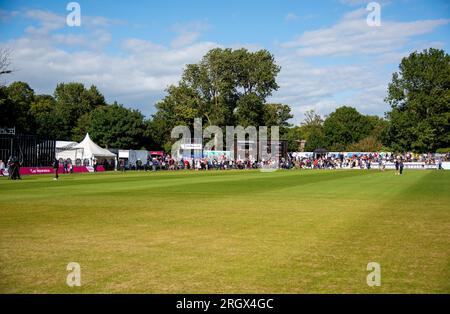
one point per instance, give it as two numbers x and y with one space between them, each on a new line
216 153
124 154
49 170
192 146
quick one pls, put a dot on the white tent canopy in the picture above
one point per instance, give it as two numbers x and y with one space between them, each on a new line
65 150
83 153
91 151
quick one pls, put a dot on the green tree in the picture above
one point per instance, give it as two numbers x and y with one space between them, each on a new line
315 138
154 134
256 72
113 126
277 115
311 129
367 144
73 100
419 95
249 110
312 119
345 126
6 108
227 87
49 122
292 136
15 102
214 81
379 127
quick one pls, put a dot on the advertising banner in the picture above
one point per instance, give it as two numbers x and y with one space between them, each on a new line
49 170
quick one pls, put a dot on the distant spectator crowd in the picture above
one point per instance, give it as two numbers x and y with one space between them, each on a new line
326 161
224 162
366 160
167 162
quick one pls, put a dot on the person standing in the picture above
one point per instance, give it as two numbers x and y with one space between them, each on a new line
10 164
400 165
17 167
2 167
122 165
13 168
56 168
65 166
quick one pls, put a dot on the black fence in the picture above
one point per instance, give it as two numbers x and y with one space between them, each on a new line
31 150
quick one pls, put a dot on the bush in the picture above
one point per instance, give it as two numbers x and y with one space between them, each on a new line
367 144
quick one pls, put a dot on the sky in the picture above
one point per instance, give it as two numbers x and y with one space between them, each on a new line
133 50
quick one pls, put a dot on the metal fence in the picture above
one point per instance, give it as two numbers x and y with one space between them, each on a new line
31 150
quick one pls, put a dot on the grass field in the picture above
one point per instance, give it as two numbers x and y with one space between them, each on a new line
227 232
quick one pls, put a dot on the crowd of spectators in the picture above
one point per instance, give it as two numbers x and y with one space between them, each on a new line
11 169
325 161
293 160
366 160
167 162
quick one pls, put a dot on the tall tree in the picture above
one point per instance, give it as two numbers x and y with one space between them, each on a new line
315 138
292 136
346 126
113 126
227 87
73 100
249 110
311 129
277 115
312 119
49 121
367 144
15 102
419 95
214 81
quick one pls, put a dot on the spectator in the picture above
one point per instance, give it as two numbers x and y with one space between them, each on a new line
2 167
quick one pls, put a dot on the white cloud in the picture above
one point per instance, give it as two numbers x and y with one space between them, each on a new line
363 2
139 70
136 75
355 2
48 22
352 35
305 87
146 69
188 33
357 80
290 17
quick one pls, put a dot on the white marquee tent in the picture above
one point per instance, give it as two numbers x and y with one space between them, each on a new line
91 151
65 150
86 151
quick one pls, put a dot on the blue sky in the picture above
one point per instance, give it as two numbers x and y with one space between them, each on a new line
132 50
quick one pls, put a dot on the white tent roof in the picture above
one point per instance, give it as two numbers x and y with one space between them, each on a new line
65 144
92 150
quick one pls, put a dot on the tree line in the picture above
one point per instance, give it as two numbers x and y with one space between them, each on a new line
231 87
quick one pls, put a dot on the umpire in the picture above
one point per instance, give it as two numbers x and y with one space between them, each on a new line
55 168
